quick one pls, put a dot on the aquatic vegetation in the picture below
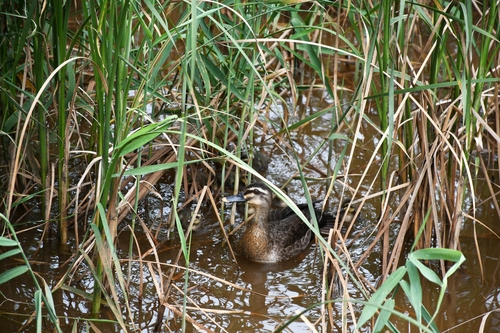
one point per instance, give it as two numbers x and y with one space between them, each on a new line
114 112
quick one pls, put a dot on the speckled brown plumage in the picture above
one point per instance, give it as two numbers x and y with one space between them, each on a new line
273 236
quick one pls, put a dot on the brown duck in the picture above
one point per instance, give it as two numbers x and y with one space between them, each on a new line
277 235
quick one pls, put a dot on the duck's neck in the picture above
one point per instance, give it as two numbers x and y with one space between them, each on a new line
261 218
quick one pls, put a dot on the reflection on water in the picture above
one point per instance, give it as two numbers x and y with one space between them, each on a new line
264 295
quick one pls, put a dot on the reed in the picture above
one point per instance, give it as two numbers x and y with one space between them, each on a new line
42 300
142 89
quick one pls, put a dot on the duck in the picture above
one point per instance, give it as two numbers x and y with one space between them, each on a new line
273 236
277 211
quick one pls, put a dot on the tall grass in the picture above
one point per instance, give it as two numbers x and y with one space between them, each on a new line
142 88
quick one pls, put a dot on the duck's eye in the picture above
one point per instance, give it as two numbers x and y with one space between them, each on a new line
256 191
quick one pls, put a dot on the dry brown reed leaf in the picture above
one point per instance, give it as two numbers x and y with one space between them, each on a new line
217 311
485 318
75 260
90 194
221 224
336 278
206 311
201 198
199 326
311 327
465 322
94 327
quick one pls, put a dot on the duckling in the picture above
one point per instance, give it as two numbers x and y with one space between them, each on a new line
272 237
346 212
229 179
260 161
185 216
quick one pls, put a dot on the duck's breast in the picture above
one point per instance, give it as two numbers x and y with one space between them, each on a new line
254 245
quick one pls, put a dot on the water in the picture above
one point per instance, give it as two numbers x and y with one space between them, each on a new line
223 295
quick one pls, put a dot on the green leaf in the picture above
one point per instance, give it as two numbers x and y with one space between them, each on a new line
12 273
49 301
82 293
222 77
7 242
384 316
428 273
10 253
303 34
304 121
337 136
38 308
143 136
380 295
437 254
415 292
428 318
144 170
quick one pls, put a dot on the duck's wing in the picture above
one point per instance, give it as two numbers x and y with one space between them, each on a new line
287 232
295 248
286 213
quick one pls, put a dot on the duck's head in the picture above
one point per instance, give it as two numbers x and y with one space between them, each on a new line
256 194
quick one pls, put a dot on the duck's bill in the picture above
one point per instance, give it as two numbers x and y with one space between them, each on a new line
234 198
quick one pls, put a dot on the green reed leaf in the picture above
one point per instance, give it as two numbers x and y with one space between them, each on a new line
12 273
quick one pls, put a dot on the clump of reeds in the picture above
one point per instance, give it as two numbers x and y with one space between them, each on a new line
134 90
